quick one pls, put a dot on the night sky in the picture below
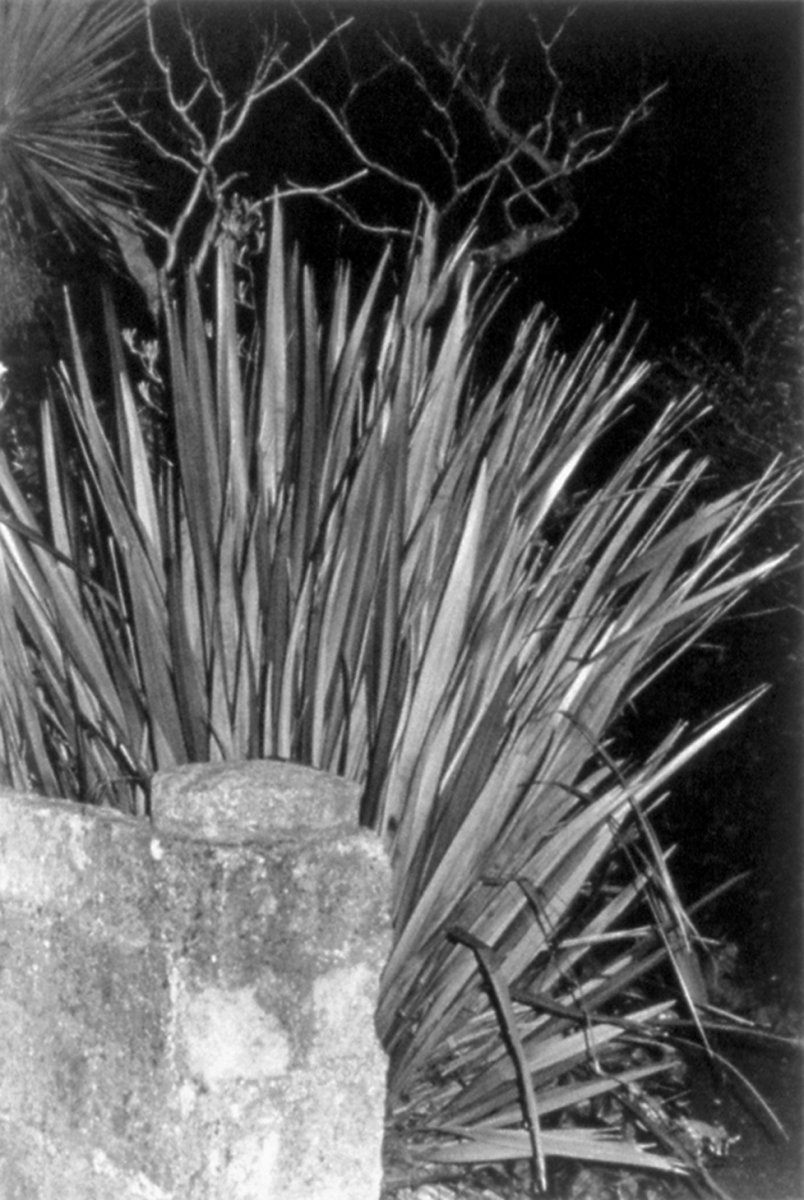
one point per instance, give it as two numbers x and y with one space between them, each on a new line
698 196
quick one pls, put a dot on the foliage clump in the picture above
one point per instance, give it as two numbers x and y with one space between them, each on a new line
25 284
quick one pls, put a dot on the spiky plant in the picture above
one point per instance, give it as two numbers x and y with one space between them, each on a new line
353 549
59 129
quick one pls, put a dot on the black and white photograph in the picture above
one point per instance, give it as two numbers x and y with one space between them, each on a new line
401 643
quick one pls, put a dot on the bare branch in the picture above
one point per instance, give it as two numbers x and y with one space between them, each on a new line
319 190
481 160
158 147
202 143
261 86
340 120
336 201
461 91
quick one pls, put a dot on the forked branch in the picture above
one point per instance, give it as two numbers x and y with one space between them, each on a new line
206 119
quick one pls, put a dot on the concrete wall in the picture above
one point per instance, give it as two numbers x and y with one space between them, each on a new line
187 1004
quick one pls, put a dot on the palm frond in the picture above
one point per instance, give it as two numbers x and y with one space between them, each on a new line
60 142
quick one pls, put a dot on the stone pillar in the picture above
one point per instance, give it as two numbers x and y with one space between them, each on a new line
188 1003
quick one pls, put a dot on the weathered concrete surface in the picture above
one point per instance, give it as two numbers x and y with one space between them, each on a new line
188 1006
271 799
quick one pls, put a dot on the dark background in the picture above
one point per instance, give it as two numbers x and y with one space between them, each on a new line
698 195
